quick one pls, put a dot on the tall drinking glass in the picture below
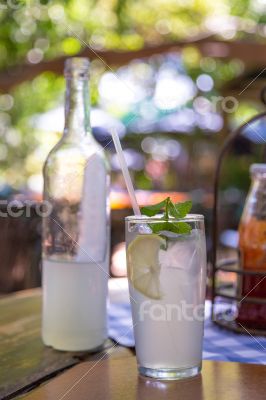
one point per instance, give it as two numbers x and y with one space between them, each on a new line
167 283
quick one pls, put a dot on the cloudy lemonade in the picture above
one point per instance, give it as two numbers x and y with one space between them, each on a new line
80 301
167 277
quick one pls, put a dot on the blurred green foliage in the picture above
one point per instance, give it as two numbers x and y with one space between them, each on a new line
34 31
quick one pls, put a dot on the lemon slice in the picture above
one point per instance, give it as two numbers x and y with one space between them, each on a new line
143 264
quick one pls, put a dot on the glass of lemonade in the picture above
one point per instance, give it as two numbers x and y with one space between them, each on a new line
167 283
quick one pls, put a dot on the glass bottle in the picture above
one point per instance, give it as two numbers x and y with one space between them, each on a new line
252 247
76 230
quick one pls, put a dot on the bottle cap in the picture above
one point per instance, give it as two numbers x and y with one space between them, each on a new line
257 169
77 67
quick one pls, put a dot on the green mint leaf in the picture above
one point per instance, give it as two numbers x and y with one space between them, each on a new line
159 226
180 210
175 227
150 211
177 211
172 211
183 228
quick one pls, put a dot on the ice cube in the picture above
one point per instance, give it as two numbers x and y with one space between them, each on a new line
144 229
183 253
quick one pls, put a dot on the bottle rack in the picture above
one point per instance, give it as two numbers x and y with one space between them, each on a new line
231 298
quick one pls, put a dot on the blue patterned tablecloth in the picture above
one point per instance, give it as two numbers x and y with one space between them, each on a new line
218 343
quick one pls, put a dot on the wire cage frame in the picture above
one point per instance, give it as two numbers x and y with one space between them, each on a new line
226 317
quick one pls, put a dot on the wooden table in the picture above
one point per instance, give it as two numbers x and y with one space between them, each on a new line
24 361
118 380
36 372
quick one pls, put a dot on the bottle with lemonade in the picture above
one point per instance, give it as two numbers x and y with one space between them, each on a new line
76 231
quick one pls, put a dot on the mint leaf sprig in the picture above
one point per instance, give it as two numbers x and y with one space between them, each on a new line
170 209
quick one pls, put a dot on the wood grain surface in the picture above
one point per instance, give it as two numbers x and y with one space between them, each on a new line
118 380
24 360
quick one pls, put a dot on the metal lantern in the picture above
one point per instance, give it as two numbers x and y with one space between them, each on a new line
225 316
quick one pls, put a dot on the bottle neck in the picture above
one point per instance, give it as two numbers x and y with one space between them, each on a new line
258 185
256 199
77 108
